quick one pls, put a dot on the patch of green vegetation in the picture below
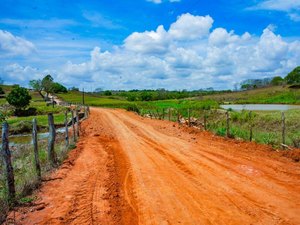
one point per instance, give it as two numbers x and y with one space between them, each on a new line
26 200
94 100
267 95
26 179
21 125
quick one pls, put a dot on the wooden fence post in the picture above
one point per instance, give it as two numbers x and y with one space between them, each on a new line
51 141
251 126
6 155
78 123
189 117
204 118
169 114
178 117
66 128
52 102
85 112
36 150
283 127
227 125
73 126
88 108
163 114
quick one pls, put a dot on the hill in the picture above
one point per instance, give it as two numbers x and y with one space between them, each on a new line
266 95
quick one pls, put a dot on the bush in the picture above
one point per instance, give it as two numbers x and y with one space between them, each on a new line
278 80
133 108
19 97
107 93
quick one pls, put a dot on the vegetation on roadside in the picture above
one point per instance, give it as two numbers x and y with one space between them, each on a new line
24 171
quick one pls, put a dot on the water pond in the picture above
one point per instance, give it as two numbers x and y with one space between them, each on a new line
22 139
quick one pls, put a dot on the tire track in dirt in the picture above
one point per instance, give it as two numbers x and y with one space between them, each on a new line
247 190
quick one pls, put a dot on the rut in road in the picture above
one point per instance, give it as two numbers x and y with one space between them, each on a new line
132 170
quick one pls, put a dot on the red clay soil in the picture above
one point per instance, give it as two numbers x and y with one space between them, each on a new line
132 170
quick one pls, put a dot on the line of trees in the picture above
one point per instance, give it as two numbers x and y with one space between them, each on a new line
159 94
291 78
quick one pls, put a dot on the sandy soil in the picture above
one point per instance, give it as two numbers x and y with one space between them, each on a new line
132 170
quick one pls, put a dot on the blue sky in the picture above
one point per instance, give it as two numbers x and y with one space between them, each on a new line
173 44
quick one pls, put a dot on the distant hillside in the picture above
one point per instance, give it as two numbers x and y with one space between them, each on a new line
267 95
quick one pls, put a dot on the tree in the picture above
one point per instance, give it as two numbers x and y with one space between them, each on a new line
74 89
146 96
19 97
294 76
278 80
107 93
47 84
246 86
59 88
37 86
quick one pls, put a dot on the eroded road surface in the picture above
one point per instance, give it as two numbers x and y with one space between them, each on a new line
132 170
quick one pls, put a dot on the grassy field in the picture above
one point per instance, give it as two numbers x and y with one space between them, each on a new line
94 100
23 124
267 95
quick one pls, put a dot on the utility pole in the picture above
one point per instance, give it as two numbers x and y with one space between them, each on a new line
83 96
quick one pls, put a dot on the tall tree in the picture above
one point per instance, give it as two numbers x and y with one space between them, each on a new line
37 86
47 84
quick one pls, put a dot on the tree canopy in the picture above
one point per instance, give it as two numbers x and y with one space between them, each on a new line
47 85
294 76
278 80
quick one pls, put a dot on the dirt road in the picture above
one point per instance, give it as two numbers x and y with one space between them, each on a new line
132 170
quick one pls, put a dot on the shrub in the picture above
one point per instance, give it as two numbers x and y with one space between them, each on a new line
19 97
133 108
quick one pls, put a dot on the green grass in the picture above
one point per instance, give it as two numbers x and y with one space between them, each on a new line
94 100
267 126
26 179
42 120
268 95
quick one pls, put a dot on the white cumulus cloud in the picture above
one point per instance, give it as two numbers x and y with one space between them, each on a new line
291 7
191 54
14 45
